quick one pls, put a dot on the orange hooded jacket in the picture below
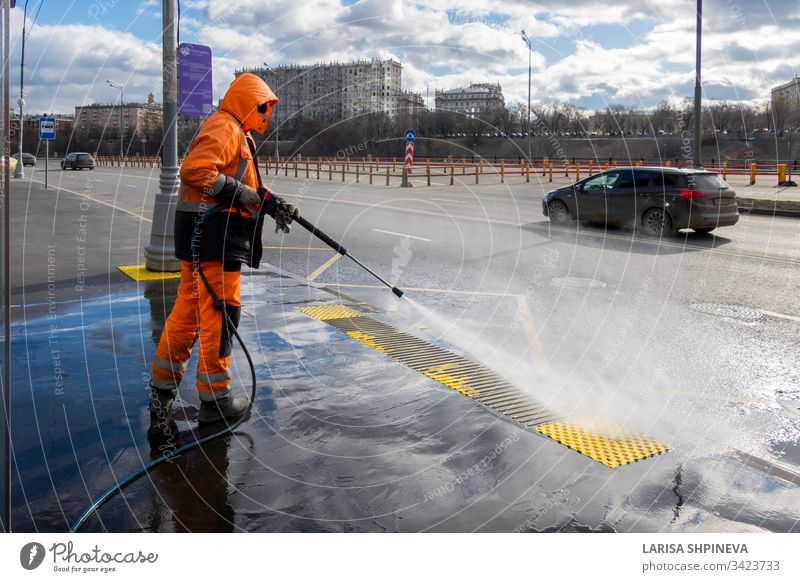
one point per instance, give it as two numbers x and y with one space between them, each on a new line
221 159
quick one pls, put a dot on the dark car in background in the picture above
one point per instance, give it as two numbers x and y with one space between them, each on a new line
659 201
77 161
27 159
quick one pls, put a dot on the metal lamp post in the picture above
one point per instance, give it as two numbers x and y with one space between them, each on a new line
121 104
530 51
277 125
698 122
19 171
160 251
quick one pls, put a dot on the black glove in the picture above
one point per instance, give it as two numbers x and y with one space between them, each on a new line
283 212
249 196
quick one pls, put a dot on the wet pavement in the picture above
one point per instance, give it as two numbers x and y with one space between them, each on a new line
693 341
341 438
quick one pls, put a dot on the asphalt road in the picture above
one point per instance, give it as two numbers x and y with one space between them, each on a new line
693 339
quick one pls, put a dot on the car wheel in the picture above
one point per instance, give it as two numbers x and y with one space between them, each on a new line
703 230
558 212
656 222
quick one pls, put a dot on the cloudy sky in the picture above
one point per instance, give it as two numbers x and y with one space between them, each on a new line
588 52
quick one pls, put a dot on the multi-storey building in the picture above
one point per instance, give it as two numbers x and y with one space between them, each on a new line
337 91
137 118
786 104
478 100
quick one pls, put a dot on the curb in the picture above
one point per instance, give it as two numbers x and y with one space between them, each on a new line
760 206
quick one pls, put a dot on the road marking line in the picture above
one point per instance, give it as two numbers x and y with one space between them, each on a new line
132 185
453 201
298 248
114 206
401 234
324 266
781 471
421 289
781 315
530 329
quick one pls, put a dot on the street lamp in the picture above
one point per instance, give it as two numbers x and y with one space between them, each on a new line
121 103
530 51
697 91
277 125
19 171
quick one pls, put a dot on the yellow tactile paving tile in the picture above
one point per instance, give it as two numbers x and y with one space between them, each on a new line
369 340
458 383
609 447
140 273
326 312
612 451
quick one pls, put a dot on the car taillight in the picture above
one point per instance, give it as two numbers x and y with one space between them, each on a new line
692 194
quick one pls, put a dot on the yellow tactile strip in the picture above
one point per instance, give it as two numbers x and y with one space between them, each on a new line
485 386
140 273
447 368
612 451
332 311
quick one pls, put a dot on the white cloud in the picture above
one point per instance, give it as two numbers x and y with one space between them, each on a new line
442 43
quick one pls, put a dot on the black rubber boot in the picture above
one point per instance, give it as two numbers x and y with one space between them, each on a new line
228 408
162 427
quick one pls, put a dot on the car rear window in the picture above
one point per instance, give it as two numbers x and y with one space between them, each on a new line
706 182
84 157
666 180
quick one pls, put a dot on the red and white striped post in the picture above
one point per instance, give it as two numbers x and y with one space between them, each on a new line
409 155
409 160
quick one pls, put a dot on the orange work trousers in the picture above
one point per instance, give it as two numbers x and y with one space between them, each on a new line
194 309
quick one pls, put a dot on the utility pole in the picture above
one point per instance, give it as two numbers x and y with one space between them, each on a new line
121 127
5 269
530 50
698 122
160 251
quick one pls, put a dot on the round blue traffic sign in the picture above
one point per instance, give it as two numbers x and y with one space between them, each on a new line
410 134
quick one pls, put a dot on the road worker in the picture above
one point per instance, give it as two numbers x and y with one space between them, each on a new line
218 223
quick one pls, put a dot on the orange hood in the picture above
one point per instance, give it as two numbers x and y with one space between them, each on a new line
242 100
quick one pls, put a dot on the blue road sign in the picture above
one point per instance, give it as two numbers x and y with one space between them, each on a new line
47 128
194 79
410 134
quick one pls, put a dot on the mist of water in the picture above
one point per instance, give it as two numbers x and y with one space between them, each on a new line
630 387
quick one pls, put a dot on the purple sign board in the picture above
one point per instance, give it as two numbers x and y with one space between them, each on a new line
194 79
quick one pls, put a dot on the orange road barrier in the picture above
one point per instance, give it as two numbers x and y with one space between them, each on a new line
781 173
591 171
724 170
752 174
551 171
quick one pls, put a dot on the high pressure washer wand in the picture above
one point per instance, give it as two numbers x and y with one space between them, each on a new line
343 251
